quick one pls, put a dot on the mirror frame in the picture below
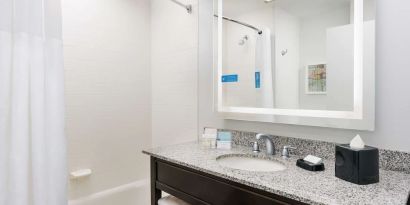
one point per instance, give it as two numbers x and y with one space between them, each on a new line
358 106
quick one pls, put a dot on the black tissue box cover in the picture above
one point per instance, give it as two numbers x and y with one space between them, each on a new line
359 166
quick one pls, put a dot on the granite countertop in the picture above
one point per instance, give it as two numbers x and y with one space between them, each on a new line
294 182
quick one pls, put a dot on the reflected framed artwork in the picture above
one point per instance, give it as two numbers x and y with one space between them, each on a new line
316 79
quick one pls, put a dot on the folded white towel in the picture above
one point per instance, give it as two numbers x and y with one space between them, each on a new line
171 200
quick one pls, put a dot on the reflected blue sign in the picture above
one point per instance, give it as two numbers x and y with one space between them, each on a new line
230 78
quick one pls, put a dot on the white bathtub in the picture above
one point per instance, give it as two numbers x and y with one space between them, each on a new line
135 193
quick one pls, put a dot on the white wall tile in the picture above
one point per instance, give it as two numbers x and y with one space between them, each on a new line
108 99
174 73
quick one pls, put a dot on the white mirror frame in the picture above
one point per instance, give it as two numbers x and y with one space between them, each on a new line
356 114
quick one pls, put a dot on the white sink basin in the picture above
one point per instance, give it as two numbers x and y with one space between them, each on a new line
248 163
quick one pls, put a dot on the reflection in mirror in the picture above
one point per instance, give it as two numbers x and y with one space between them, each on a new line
292 54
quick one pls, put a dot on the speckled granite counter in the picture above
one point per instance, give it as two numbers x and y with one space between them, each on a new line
294 182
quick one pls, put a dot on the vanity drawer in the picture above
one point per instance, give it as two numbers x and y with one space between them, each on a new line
211 189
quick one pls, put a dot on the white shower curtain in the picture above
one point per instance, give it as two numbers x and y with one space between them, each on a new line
32 141
263 64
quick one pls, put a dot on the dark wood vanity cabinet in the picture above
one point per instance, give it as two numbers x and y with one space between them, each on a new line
199 188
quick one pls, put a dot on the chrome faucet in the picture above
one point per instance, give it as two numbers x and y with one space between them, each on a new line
285 151
270 147
255 147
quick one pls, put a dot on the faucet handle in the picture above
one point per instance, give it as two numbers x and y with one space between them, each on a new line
255 147
285 151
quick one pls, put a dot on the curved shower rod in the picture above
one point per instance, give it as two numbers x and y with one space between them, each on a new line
241 23
188 7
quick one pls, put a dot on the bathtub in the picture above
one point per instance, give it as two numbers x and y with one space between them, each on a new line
135 193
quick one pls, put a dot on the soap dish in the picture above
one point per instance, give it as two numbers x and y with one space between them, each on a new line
309 166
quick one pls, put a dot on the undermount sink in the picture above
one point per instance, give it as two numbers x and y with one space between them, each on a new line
249 163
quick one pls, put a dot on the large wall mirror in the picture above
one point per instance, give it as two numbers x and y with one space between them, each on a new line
307 62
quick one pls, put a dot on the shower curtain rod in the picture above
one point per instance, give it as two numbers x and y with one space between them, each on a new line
187 7
241 23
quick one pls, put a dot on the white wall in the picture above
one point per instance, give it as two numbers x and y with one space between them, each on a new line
174 72
314 43
392 99
106 47
287 31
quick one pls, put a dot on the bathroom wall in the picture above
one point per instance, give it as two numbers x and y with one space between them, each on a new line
314 41
392 101
328 38
108 100
174 72
287 32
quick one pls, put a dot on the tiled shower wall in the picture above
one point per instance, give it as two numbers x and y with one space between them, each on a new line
108 100
174 72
